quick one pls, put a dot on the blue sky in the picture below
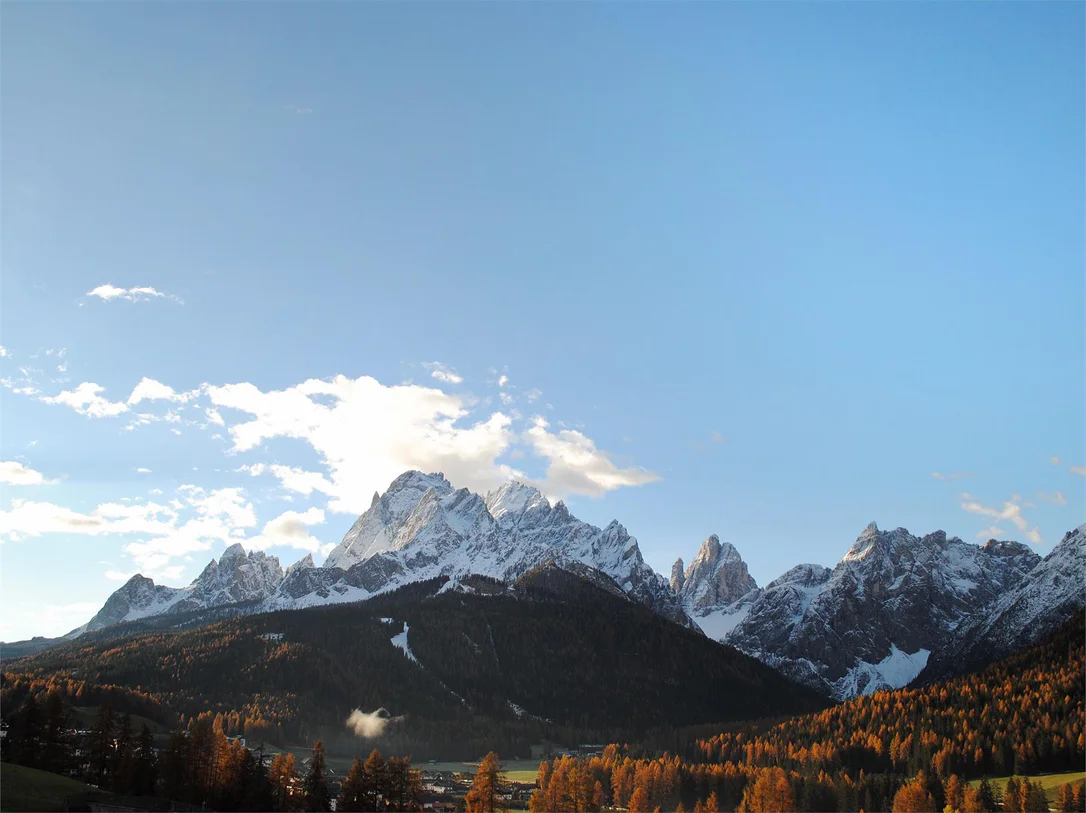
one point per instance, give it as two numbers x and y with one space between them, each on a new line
760 270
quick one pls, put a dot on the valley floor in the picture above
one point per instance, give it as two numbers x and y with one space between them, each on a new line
1051 782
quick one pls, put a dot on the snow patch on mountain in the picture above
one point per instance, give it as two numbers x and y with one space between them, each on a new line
896 670
400 642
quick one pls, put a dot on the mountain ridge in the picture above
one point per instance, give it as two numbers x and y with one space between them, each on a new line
872 621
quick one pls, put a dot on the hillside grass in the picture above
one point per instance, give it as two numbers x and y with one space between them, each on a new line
1051 782
28 789
88 716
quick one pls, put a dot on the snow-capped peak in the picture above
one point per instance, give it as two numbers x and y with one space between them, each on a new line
514 497
305 563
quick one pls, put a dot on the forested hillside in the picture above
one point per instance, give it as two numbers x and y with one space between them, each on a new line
494 667
1023 715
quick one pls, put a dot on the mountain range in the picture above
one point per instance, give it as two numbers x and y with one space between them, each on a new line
893 603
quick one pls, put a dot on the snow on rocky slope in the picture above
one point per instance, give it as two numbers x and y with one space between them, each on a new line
420 528
872 621
895 605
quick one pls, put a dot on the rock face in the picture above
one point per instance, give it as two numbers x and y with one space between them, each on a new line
420 528
1052 592
236 578
717 577
871 622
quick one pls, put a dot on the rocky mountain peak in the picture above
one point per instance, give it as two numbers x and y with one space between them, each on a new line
514 497
716 577
678 577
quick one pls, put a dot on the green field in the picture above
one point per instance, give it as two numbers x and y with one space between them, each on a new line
24 789
515 770
1050 782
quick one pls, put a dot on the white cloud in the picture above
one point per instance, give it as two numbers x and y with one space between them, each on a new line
288 530
1056 497
994 532
294 479
1034 536
109 292
1079 470
14 473
210 516
716 437
85 400
142 470
443 373
150 390
958 475
4 351
1054 460
503 380
576 466
1011 510
533 395
507 399
50 620
369 434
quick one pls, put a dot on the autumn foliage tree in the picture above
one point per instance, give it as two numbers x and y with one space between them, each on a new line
913 797
483 795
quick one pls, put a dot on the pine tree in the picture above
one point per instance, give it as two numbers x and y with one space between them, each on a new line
955 794
29 733
124 757
914 797
712 804
283 775
1036 802
1012 800
100 748
971 801
176 771
354 793
56 749
315 785
376 771
639 800
145 770
1079 797
483 796
987 796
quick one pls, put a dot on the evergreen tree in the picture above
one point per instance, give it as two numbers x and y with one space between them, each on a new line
100 749
483 796
1035 799
971 801
1079 797
1012 799
987 796
639 800
28 732
145 768
315 796
56 751
376 772
124 757
176 771
283 775
955 794
914 797
354 793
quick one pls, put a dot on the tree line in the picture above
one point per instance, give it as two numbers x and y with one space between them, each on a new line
200 765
